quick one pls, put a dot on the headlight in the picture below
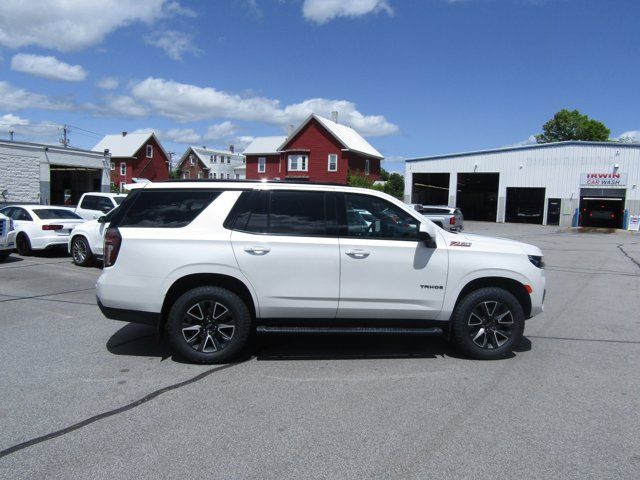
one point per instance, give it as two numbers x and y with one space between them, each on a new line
537 260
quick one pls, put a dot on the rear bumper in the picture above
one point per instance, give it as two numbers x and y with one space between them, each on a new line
132 316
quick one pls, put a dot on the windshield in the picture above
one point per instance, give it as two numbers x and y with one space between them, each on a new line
53 213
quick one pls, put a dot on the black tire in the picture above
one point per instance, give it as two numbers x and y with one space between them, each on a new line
23 245
81 252
208 325
4 255
487 323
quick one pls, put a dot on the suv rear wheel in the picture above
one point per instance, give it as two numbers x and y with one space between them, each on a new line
81 252
488 323
208 325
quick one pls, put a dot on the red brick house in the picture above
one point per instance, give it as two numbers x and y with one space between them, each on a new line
135 155
319 150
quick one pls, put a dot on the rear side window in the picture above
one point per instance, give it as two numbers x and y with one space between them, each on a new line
166 209
118 200
89 202
282 213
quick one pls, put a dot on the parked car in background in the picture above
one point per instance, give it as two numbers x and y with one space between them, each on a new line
86 241
7 237
38 227
93 205
447 218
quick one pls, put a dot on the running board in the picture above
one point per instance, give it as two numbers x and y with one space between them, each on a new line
431 331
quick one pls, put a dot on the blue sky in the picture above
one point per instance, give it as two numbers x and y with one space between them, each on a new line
416 77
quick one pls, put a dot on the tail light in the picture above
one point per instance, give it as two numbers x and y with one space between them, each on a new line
112 242
52 227
591 214
452 221
613 215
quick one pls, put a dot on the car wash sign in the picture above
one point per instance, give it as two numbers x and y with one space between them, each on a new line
603 179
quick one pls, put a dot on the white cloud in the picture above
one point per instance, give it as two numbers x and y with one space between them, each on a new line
220 130
69 25
184 102
108 83
25 130
242 142
47 67
322 11
531 140
175 44
632 136
15 98
180 135
122 105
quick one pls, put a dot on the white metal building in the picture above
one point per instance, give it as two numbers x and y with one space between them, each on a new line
49 174
567 183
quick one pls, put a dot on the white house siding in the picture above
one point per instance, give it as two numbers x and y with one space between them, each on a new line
556 167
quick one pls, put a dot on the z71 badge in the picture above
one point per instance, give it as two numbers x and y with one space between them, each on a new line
460 244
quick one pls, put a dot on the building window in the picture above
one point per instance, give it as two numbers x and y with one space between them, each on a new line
366 167
297 163
149 151
185 174
262 165
211 175
333 162
237 176
123 168
113 165
228 176
191 159
214 158
244 160
214 175
122 187
200 175
228 159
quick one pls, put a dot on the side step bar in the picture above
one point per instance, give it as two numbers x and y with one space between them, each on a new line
431 331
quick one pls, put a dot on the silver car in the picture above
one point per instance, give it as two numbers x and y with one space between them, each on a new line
447 218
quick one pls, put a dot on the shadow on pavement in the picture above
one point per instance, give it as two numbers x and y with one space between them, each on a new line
143 341
13 258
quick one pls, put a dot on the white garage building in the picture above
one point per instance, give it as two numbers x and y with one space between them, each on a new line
50 174
567 183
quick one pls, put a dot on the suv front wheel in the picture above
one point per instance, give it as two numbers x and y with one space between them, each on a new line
208 325
488 323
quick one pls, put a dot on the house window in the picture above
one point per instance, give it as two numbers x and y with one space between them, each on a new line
333 162
185 174
122 184
149 151
237 176
211 175
200 175
228 176
214 158
123 168
214 175
191 159
297 163
262 165
228 159
113 165
366 167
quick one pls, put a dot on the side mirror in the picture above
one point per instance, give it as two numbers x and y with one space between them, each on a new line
418 207
426 237
102 219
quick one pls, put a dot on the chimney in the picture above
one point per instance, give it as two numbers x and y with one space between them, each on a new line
231 148
289 130
124 134
334 116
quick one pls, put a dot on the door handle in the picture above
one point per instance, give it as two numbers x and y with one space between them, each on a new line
257 250
358 253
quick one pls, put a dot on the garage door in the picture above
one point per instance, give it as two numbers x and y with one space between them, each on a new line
477 195
69 183
525 205
430 188
601 207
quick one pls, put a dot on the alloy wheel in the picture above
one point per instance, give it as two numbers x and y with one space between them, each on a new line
79 251
490 324
208 326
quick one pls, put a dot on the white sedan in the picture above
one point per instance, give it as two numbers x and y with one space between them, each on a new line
39 227
86 241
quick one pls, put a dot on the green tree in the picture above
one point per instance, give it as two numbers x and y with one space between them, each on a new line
572 125
395 185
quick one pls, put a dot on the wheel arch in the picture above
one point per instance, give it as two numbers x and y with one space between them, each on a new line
514 287
195 280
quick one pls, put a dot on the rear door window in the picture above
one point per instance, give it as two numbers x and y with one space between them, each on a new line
89 202
103 204
166 208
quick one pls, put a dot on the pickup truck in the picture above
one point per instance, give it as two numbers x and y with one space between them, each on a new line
93 205
447 218
7 237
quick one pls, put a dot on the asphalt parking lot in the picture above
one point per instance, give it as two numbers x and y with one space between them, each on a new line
86 397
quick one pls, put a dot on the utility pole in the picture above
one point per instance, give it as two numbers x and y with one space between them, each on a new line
171 154
65 136
11 135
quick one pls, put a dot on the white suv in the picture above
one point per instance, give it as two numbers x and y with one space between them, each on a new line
209 263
